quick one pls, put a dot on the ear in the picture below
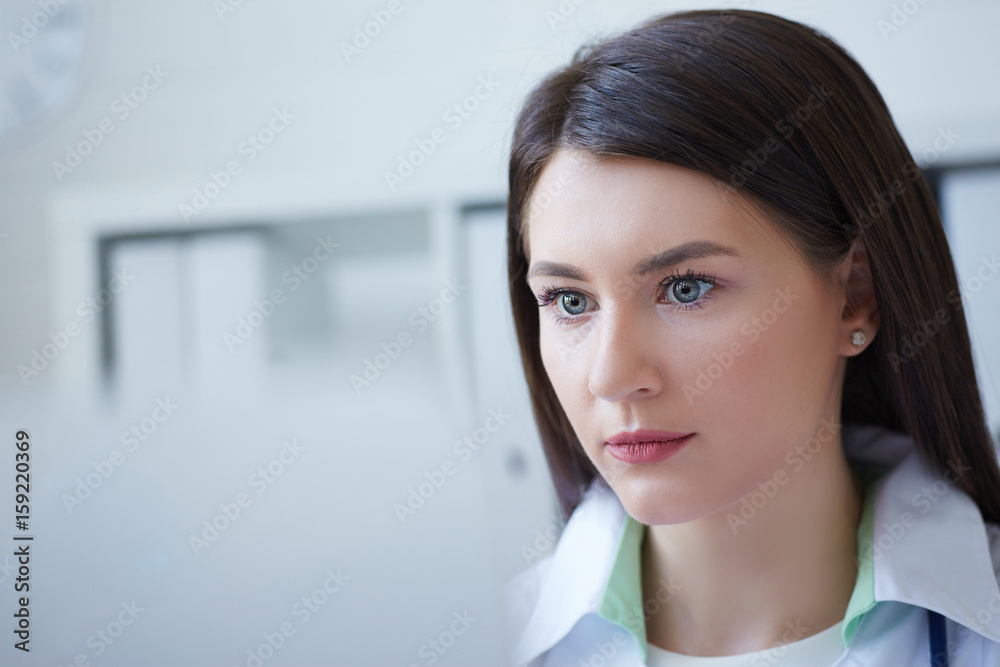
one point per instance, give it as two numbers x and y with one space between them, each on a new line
860 308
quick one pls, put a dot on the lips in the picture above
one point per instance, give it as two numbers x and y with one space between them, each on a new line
645 435
646 445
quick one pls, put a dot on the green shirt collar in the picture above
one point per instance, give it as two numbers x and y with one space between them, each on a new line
622 601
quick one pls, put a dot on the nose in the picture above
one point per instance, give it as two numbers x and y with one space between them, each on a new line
624 364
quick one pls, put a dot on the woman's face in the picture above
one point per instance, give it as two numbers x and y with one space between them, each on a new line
744 353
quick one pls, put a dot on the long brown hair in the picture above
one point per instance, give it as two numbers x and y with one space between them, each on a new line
784 117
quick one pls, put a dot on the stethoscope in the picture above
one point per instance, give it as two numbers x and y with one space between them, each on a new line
939 639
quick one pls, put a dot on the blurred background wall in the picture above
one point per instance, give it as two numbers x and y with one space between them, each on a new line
254 315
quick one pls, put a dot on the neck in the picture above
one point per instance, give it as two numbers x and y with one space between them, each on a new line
785 574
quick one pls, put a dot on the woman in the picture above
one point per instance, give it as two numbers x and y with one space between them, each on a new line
748 360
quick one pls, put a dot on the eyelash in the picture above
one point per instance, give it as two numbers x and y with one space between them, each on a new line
550 294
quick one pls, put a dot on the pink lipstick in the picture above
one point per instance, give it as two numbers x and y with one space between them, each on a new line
646 445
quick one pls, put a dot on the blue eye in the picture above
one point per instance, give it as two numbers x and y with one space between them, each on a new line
689 289
682 292
573 303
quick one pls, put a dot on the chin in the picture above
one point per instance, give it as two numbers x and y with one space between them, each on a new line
655 506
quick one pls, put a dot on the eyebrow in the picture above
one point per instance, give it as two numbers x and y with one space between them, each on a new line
666 259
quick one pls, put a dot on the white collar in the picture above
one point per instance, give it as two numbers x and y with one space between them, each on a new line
941 560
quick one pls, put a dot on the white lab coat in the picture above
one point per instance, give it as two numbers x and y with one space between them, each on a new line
931 551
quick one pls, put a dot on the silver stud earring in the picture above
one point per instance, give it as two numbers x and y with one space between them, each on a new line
858 337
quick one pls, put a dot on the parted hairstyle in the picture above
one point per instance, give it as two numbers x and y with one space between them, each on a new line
784 117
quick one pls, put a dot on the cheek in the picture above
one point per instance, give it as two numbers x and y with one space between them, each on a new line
564 356
564 366
563 352
713 362
796 359
765 363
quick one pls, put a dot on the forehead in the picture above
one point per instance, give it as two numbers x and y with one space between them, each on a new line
632 204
